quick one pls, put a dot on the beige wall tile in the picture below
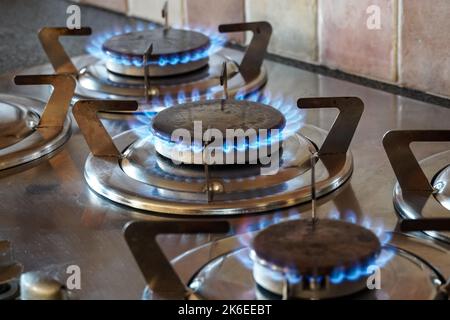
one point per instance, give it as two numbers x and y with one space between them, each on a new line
151 10
115 5
294 25
207 13
348 44
424 57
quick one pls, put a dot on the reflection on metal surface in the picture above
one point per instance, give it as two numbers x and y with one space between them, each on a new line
41 286
157 270
413 194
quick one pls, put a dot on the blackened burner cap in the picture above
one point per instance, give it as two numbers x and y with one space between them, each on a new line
315 249
217 114
165 42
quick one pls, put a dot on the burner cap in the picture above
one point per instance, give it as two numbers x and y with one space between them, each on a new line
165 42
175 47
217 114
16 123
315 249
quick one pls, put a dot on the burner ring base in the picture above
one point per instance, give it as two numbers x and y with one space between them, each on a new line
39 143
106 176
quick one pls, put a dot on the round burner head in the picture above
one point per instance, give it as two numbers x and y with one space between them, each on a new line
315 249
310 261
171 45
247 118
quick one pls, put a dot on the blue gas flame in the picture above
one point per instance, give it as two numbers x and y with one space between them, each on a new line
247 231
294 118
95 46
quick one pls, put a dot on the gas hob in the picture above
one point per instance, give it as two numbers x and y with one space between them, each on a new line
54 218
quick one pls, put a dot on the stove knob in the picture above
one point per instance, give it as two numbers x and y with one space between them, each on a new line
39 286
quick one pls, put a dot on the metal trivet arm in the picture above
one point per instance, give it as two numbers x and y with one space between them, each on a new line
98 139
60 60
254 55
333 151
417 191
146 60
57 106
158 272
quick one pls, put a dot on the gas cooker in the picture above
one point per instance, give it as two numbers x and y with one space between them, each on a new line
54 219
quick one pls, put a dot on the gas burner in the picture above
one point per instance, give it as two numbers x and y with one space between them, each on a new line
223 269
247 117
135 177
161 65
170 46
415 198
9 272
307 259
29 128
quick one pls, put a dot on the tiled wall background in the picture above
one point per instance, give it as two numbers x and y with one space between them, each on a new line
411 47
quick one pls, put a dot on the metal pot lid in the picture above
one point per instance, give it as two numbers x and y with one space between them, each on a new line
16 121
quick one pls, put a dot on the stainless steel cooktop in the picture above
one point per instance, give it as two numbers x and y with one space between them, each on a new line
53 219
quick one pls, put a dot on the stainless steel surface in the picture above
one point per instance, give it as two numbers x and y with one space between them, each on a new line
9 268
50 214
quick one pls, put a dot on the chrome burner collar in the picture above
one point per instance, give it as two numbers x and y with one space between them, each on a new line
106 176
406 209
